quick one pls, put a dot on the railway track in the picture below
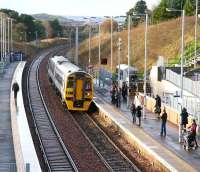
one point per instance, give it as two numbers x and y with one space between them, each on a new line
54 151
114 159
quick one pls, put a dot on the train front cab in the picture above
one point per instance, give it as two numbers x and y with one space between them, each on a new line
79 92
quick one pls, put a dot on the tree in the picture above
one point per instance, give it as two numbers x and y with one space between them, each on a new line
28 21
56 27
11 13
160 13
39 28
189 10
19 32
139 8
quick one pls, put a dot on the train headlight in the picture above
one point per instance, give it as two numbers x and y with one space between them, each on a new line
87 94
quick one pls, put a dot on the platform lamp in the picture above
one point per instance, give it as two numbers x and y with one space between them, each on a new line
196 24
182 56
145 60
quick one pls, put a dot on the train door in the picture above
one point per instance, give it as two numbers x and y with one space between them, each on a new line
79 89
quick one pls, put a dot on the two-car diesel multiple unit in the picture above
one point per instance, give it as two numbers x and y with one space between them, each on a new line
73 85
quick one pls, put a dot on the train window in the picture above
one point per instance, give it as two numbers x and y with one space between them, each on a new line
59 78
70 83
88 85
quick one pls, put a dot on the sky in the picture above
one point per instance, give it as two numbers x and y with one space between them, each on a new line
73 7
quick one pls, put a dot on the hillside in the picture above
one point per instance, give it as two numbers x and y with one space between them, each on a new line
62 20
163 40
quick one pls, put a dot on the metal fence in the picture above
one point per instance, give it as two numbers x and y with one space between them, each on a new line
12 167
1 67
188 84
191 103
5 61
8 167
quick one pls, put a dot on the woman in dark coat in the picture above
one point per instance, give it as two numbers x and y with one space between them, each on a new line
184 117
139 114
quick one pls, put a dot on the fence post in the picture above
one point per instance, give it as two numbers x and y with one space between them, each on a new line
27 167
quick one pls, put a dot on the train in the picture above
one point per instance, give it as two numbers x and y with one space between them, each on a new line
74 86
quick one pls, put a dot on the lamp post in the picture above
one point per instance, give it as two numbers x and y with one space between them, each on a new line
111 42
5 41
1 37
119 60
182 56
11 35
89 44
8 43
145 61
89 41
196 24
76 52
99 24
129 54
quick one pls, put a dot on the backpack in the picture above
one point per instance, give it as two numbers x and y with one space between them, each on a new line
138 111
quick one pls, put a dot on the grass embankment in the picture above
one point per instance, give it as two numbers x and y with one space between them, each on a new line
31 50
163 40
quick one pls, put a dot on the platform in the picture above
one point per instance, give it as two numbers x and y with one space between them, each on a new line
7 155
26 157
166 149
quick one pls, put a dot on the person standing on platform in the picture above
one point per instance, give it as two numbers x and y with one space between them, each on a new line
163 124
133 112
193 129
158 106
184 118
139 114
112 92
124 91
15 88
137 100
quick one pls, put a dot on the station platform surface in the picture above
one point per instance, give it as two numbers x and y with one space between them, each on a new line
7 155
167 147
25 153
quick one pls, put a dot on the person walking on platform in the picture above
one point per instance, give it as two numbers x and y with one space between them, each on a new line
163 124
118 97
158 106
184 118
15 88
192 135
112 92
139 114
133 112
124 91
